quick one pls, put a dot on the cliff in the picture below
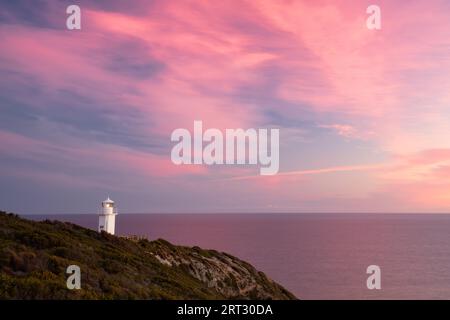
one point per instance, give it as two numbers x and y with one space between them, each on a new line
34 257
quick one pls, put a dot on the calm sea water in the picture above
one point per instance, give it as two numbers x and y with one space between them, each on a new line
315 256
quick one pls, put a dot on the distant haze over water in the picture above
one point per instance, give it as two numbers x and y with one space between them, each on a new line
315 256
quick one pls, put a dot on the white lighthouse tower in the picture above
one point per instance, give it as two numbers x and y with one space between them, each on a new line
107 217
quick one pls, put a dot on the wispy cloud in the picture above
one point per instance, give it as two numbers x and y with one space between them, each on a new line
372 106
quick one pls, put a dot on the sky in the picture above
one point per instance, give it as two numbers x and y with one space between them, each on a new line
363 114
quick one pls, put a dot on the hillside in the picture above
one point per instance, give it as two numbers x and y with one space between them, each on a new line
34 257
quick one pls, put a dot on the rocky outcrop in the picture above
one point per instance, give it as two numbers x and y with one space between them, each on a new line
226 274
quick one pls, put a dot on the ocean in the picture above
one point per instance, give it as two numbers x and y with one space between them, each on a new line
315 256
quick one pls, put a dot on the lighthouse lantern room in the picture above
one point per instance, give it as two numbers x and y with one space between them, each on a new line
107 216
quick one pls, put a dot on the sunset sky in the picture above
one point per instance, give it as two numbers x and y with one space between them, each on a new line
364 115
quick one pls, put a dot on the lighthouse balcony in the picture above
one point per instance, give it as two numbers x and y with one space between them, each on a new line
101 213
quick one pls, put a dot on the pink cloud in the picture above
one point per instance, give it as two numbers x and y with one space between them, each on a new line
78 156
219 61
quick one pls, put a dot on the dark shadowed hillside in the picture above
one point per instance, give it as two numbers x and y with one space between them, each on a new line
34 257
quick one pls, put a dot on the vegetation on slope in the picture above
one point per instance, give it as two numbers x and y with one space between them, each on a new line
34 257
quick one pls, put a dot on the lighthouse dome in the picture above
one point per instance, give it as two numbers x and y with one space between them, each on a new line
108 201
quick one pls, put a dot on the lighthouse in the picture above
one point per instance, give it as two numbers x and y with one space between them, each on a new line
107 216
